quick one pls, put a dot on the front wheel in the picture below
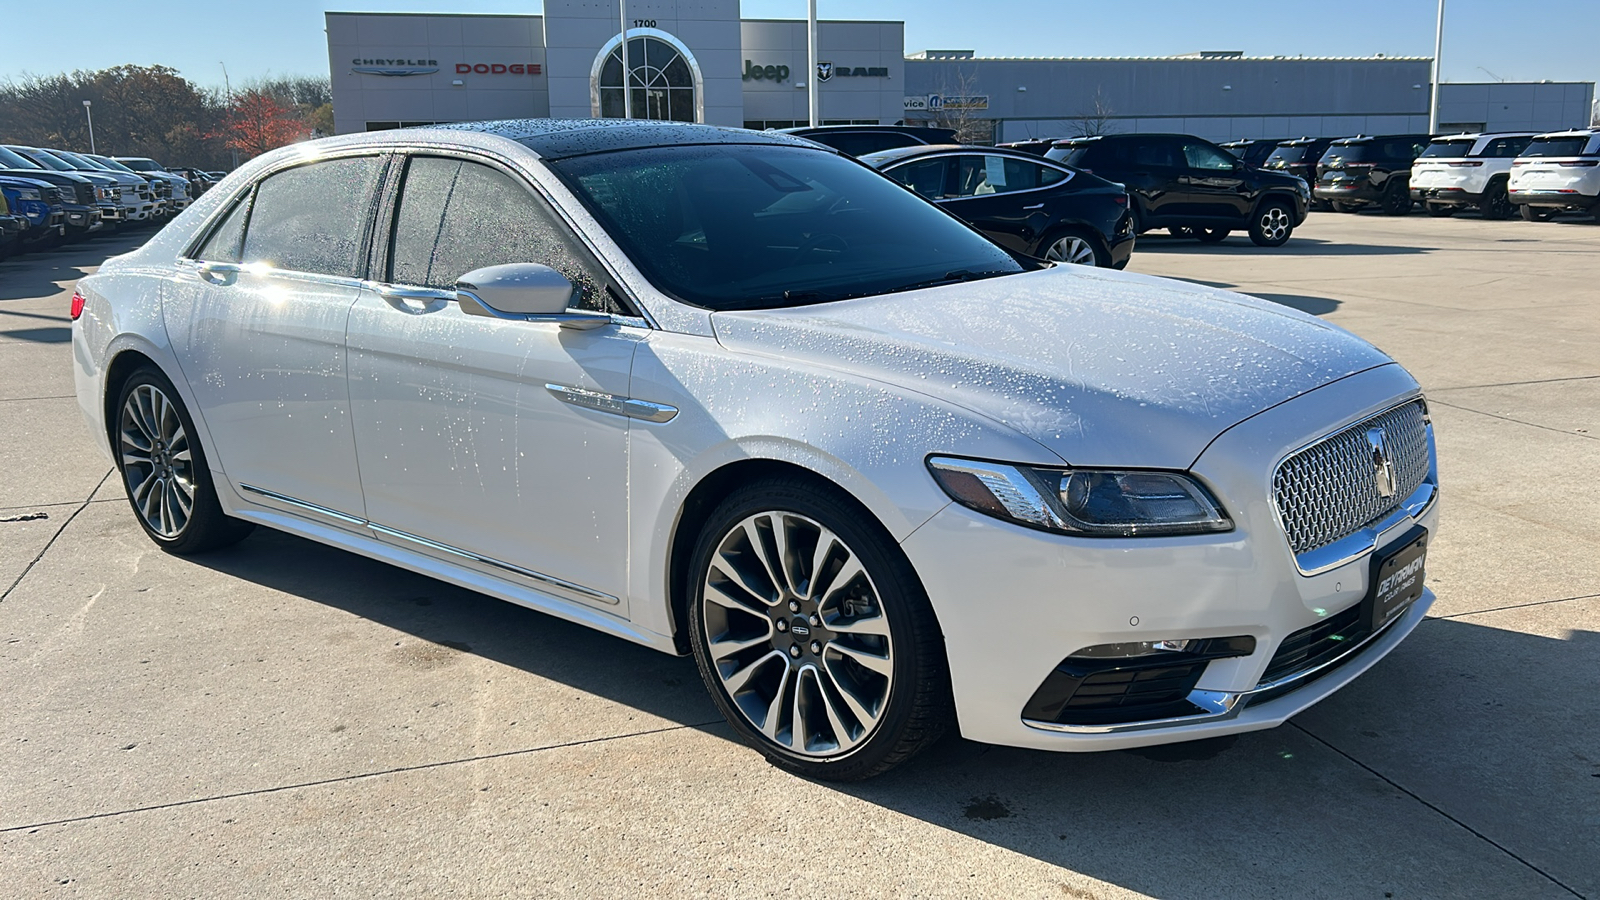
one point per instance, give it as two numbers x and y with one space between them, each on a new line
813 634
1537 213
1496 203
1439 210
1272 225
1397 200
1211 235
164 469
1075 248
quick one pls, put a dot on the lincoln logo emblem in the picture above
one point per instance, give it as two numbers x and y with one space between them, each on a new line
1382 463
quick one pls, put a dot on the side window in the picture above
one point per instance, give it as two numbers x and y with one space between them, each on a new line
972 177
1208 158
925 176
456 216
1049 175
312 218
223 245
1155 154
1506 148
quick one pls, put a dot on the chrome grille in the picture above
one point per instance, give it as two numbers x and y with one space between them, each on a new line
1328 490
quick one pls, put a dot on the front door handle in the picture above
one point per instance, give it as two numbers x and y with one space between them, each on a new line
1035 206
220 273
409 299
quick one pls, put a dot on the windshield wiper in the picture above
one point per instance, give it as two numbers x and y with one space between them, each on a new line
955 277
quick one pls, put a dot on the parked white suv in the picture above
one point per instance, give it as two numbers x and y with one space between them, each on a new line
1558 171
1467 170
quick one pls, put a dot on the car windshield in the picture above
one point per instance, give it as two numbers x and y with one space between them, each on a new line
82 162
1072 155
1449 149
114 166
1556 146
737 226
1287 155
9 159
47 161
1355 152
141 165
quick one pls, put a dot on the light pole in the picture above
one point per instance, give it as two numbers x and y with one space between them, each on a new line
811 52
228 86
1438 48
627 89
90 117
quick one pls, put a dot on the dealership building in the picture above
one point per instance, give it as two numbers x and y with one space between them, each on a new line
699 61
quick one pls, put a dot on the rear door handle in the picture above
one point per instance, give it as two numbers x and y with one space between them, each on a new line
1035 206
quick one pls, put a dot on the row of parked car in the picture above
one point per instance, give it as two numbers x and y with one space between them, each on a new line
50 196
1497 174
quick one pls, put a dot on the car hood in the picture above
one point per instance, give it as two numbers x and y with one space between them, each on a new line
1103 368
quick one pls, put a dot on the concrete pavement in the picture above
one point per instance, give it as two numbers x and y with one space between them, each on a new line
282 719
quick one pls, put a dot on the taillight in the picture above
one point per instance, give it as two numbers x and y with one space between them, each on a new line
1519 162
1580 163
77 305
1122 199
1464 165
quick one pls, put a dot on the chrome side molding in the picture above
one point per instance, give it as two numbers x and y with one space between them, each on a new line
435 545
642 410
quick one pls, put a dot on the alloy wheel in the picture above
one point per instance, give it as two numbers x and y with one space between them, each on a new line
1071 249
797 635
1275 224
157 461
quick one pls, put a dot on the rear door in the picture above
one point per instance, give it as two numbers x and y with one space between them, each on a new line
1003 197
257 314
1151 167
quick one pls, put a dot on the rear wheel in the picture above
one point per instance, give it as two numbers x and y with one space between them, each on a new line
1180 231
1272 224
1496 202
1537 213
1439 210
1075 247
813 634
1397 199
164 469
1344 207
1211 235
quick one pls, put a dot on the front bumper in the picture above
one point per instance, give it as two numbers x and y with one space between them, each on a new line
1013 603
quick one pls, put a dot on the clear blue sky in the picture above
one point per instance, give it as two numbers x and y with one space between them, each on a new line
284 37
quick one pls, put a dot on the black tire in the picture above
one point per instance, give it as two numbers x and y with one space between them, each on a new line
1397 199
1537 213
914 706
1095 244
1439 210
1138 217
1344 207
205 526
1272 224
1210 235
1180 231
1496 203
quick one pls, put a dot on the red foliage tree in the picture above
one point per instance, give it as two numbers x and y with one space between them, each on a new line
255 122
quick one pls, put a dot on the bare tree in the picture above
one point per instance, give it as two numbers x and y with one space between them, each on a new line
963 109
1098 119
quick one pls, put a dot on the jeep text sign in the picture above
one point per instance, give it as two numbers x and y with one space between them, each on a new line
753 72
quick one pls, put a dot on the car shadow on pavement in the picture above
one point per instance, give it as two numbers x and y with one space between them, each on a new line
1316 306
39 273
1238 244
1463 725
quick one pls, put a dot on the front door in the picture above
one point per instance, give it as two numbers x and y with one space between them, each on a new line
469 446
259 314
1214 185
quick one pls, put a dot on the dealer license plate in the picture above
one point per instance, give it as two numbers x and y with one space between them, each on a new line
1397 578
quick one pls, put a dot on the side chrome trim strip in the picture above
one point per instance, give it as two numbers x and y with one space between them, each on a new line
312 507
505 566
435 545
1221 705
642 410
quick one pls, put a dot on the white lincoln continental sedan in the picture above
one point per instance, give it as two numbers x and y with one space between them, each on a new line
735 395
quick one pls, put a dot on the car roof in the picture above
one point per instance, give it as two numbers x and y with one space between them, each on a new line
885 157
561 138
1576 132
1364 138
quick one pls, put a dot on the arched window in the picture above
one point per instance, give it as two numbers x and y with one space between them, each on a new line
665 79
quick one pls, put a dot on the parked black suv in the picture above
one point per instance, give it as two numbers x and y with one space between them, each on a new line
859 140
1255 151
1299 158
1180 181
1362 171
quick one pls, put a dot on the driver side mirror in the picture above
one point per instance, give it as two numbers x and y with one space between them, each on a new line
526 291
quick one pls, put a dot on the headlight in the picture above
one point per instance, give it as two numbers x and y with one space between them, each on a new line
28 194
1085 502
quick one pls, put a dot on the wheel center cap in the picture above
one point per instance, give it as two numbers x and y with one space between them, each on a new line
799 628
